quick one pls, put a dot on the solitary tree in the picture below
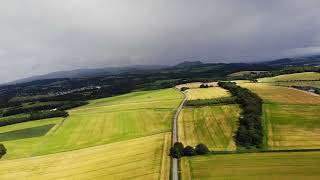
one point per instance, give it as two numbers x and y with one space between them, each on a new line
201 149
177 150
188 151
3 150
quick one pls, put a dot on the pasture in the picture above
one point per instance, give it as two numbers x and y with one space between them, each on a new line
282 95
211 125
291 126
141 158
264 166
291 77
207 93
103 121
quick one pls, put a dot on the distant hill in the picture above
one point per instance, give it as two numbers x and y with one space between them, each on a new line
313 60
185 66
79 73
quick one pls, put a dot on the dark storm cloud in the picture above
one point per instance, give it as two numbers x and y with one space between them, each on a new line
44 36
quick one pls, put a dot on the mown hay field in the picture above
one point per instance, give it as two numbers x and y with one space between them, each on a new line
298 83
291 126
207 93
103 121
195 85
263 166
141 158
211 125
282 95
291 77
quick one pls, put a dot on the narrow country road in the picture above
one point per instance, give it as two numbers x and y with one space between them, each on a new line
175 174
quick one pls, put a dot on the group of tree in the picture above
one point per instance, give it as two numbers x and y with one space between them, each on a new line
249 133
178 150
42 106
204 86
184 88
3 150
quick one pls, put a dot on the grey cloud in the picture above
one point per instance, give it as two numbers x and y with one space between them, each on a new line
37 37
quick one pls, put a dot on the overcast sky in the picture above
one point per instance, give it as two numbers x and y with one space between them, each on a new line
41 36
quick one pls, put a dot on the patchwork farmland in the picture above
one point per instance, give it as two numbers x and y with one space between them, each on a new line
133 129
129 137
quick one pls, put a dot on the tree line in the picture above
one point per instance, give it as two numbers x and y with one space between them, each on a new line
178 150
250 132
63 105
33 116
3 150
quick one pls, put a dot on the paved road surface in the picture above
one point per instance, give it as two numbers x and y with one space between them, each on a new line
175 175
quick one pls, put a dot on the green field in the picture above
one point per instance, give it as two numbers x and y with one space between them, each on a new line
211 125
141 158
207 93
288 165
26 133
290 77
291 126
103 121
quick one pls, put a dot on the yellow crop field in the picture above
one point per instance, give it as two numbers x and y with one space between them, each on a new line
141 158
265 166
290 77
194 85
211 125
207 93
292 126
103 121
283 95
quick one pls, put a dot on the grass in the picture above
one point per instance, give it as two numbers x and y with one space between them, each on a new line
288 165
26 133
282 95
207 93
290 77
141 158
291 126
104 121
211 125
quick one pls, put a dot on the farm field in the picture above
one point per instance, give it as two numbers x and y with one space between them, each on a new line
211 125
282 95
141 158
103 121
290 117
207 93
291 77
194 85
298 83
291 126
287 165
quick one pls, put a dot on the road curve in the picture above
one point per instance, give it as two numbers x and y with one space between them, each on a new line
175 174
